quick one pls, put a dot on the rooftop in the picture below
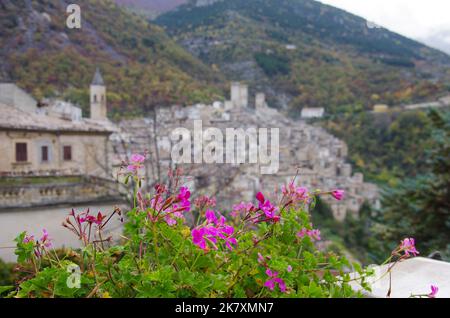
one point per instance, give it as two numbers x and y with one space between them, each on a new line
15 119
98 79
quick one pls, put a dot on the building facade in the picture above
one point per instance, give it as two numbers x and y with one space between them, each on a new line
51 139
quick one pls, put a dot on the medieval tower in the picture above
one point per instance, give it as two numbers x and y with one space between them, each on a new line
98 97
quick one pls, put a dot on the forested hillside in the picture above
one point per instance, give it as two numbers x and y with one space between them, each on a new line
141 65
307 54
150 8
386 147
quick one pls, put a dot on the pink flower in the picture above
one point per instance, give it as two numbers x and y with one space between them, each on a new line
198 238
274 279
408 246
100 218
184 194
92 219
261 259
160 189
174 213
265 206
303 232
205 202
214 230
88 219
44 235
289 268
210 216
137 161
315 234
270 273
312 234
229 241
28 239
132 168
137 158
183 198
156 202
170 208
260 197
170 221
338 194
242 208
434 291
268 209
295 194
45 239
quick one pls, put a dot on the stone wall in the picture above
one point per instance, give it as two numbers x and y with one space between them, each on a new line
37 191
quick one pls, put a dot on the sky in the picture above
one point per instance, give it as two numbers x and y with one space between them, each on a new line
425 20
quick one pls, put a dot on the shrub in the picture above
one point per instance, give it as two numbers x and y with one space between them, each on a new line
6 273
261 250
273 64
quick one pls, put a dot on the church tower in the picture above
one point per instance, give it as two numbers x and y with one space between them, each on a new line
98 97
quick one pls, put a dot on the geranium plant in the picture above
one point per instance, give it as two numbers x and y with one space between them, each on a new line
172 248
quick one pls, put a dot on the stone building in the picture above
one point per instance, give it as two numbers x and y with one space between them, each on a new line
380 108
312 112
318 157
51 139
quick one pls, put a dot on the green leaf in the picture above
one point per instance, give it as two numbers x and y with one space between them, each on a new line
5 289
24 251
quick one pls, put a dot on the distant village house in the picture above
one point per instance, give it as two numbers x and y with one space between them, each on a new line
314 112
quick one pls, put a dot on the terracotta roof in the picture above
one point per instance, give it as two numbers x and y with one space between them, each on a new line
15 119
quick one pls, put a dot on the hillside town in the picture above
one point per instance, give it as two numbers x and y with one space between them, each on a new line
55 155
308 154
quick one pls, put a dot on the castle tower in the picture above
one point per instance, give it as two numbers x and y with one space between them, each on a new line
239 94
236 94
244 96
260 101
98 97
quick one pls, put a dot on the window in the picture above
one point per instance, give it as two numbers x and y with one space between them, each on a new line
44 153
95 98
21 152
67 153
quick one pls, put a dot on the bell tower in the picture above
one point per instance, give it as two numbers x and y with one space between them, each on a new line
98 97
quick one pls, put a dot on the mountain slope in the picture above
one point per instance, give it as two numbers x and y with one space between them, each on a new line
150 8
140 63
305 53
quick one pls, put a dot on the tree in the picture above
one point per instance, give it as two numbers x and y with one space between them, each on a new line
420 207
